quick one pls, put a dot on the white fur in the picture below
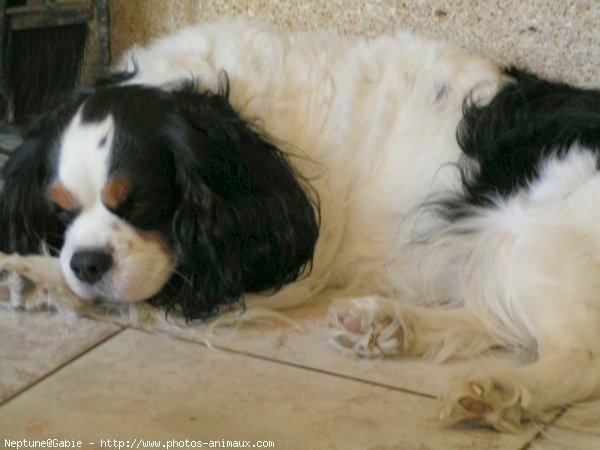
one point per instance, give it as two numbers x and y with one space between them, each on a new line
366 115
374 138
363 112
83 163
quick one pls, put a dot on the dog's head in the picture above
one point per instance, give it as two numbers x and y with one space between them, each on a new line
156 194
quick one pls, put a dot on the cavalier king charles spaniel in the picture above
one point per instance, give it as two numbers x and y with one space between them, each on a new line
453 203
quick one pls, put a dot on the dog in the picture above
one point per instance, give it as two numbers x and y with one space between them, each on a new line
452 201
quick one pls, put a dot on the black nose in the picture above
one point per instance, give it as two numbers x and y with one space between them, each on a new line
90 265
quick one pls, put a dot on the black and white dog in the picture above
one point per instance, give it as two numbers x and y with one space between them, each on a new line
321 162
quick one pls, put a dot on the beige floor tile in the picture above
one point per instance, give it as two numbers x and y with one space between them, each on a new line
35 343
310 348
577 429
561 439
567 440
140 385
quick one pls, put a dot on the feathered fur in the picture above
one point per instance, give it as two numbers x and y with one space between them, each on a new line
497 230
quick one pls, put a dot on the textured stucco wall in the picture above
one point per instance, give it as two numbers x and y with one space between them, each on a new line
557 38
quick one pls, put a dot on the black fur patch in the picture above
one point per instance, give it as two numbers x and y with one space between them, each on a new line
506 141
245 222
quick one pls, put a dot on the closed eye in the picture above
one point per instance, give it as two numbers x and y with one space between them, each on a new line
64 215
65 204
124 209
143 214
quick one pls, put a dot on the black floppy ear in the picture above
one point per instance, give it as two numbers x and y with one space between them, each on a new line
26 217
245 222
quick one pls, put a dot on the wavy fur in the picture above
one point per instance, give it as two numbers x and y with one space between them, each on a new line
496 230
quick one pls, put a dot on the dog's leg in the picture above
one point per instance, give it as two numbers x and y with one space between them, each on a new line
44 269
374 326
506 398
31 282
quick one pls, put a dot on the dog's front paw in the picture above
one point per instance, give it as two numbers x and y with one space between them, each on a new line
367 327
5 290
492 400
34 282
18 291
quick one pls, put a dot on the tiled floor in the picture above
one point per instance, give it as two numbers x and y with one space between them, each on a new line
76 378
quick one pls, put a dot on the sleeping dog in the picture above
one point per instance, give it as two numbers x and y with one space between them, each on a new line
453 201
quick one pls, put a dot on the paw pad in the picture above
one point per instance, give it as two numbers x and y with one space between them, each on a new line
361 326
486 400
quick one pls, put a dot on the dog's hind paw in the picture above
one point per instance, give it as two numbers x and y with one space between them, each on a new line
489 400
366 326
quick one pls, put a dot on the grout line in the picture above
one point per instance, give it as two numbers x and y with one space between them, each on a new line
292 364
60 366
334 374
540 433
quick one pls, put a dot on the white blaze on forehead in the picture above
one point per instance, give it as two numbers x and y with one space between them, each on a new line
84 157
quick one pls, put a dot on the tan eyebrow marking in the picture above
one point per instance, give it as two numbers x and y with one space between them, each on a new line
116 192
64 198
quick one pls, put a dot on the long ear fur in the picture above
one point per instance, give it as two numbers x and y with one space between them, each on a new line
245 223
26 217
